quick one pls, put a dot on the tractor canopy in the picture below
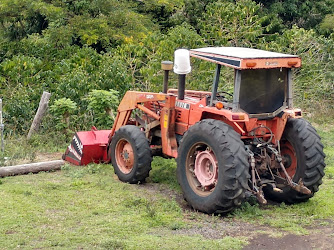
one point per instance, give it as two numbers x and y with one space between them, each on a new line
263 79
246 58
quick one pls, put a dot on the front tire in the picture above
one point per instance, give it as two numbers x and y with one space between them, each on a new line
301 146
212 167
130 154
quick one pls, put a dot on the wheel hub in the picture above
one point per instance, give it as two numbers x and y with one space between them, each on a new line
289 158
124 156
206 169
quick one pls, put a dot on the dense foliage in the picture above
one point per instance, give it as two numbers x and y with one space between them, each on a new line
74 48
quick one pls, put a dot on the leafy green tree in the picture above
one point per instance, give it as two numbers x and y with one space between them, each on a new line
70 48
21 94
303 13
19 18
167 13
327 25
144 59
237 24
96 23
194 11
314 80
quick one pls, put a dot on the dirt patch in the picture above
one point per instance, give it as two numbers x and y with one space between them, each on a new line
322 237
48 156
290 241
222 228
315 240
259 236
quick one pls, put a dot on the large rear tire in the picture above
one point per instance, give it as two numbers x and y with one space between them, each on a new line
303 151
212 167
130 154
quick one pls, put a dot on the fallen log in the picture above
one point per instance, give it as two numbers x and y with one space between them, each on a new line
31 168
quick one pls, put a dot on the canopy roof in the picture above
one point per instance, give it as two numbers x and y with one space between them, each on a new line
246 58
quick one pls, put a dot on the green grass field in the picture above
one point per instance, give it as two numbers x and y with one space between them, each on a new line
88 207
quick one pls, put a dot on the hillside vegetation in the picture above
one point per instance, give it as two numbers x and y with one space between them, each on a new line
80 50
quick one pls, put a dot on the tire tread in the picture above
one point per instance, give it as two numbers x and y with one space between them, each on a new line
308 140
232 191
144 155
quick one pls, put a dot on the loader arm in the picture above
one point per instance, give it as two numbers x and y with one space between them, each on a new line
134 100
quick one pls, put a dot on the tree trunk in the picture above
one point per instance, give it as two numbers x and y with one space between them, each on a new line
43 105
31 168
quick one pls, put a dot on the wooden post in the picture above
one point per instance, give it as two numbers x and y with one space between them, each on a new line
43 105
31 168
1 128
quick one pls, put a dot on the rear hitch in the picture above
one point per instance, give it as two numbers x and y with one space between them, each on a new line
299 187
257 191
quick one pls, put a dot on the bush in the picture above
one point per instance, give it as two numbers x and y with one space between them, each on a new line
103 104
62 109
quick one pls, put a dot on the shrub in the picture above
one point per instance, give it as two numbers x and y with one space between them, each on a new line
103 103
62 109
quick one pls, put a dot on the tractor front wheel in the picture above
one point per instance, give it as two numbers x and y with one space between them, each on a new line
212 167
130 154
303 156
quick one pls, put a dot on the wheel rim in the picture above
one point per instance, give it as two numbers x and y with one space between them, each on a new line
289 158
124 156
202 169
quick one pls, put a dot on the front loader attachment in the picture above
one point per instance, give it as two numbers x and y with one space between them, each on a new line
87 147
92 146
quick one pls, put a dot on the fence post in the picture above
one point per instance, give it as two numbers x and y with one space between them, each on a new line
43 105
1 128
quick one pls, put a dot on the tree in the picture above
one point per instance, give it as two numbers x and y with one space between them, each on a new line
167 13
19 18
238 24
314 80
194 10
303 13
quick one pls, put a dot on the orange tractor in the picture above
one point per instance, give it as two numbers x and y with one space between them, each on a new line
225 145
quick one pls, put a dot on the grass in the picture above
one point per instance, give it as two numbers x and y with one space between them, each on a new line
18 149
87 207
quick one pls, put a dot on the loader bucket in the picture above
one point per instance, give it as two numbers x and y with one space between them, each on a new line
87 147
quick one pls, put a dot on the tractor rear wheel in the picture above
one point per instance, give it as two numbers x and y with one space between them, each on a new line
130 154
303 156
212 167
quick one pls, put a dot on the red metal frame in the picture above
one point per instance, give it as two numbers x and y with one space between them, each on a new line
176 116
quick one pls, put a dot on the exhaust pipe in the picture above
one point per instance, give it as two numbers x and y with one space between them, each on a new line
181 67
181 87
